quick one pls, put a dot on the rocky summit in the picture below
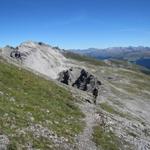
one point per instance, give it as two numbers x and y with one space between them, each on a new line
37 56
47 101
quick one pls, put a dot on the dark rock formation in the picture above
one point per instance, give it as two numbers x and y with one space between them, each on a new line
15 54
80 79
66 77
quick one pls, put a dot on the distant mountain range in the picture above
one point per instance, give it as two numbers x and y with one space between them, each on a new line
139 55
38 111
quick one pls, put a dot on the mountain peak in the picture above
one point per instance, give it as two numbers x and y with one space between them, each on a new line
38 56
33 44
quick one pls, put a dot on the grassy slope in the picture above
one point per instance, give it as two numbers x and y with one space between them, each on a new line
96 62
106 140
131 66
27 99
138 82
86 59
112 110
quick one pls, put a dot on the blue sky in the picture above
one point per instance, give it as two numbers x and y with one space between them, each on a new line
76 23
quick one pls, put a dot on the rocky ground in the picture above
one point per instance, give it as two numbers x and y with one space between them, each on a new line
122 108
119 120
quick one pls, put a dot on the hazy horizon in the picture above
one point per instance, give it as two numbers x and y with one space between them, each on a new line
86 48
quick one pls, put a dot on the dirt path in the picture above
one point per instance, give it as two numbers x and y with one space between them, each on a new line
84 140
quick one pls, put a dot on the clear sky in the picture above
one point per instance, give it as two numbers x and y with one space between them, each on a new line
76 23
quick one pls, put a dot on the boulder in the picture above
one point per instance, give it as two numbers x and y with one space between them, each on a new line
79 78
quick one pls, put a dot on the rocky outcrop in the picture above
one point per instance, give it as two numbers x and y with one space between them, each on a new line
80 79
4 142
37 56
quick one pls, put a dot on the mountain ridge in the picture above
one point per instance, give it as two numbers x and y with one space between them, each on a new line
119 121
132 54
38 56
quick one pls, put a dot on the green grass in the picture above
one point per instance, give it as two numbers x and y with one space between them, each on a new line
28 99
82 58
120 62
111 109
106 140
135 74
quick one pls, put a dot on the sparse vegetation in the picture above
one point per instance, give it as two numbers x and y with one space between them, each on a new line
81 58
137 82
27 99
111 109
106 140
